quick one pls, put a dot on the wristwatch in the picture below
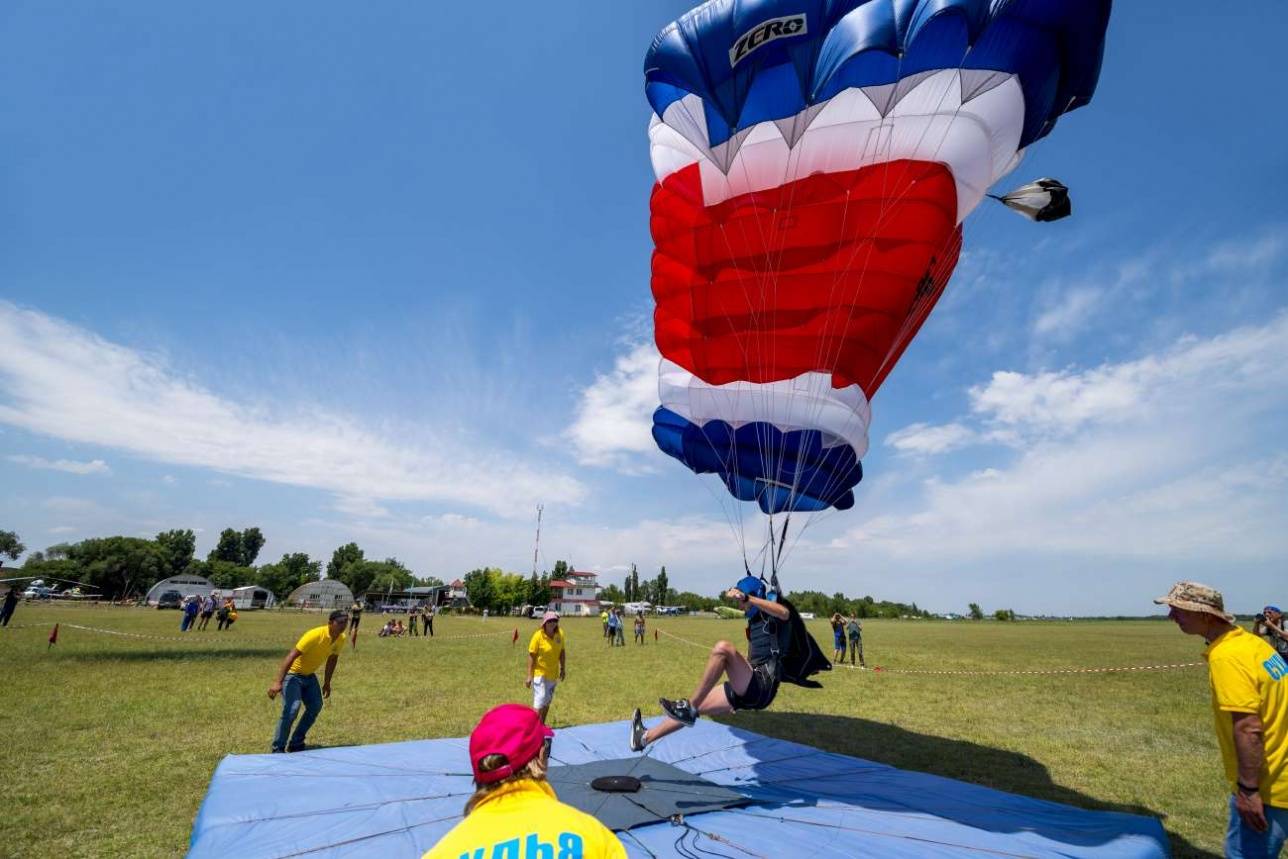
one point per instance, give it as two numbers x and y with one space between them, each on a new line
1244 789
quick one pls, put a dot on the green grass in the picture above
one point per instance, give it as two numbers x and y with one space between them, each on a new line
111 741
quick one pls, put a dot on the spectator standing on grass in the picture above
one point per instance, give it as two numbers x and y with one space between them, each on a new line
355 618
10 603
191 605
854 631
546 663
621 628
639 627
207 611
1270 625
1250 710
413 621
298 683
512 801
838 637
614 621
221 616
603 618
429 621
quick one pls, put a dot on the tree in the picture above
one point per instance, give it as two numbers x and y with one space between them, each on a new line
661 589
478 587
613 594
976 613
341 558
177 548
635 584
118 566
1004 614
228 549
288 574
252 540
226 574
560 571
10 545
377 576
625 591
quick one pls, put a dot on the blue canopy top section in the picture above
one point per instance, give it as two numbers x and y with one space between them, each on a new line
751 61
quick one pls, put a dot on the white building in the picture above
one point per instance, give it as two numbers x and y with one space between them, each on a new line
575 594
327 593
186 585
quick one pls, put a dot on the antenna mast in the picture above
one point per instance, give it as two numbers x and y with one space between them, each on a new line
537 545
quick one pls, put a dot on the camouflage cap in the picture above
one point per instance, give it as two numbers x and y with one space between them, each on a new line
1193 596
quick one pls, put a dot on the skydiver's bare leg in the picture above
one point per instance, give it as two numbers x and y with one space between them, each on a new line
709 699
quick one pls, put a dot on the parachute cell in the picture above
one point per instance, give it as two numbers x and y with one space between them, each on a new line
814 164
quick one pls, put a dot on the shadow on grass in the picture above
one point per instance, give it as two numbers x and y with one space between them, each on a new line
204 655
956 759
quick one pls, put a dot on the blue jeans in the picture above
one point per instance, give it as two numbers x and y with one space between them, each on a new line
297 689
1243 842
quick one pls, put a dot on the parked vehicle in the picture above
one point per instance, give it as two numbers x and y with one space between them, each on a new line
170 599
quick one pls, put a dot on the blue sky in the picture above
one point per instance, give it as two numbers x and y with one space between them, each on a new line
381 274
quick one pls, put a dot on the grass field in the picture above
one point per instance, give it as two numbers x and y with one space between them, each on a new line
110 741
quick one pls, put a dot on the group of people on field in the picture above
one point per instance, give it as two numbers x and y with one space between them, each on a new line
843 629
195 612
510 746
614 624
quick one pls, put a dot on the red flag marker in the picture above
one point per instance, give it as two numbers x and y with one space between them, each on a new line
514 640
655 635
53 636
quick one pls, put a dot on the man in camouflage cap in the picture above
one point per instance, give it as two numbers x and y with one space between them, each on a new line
1250 713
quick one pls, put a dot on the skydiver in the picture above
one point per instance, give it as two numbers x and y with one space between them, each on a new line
752 680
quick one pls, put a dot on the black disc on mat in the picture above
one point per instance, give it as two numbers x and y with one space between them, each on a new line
616 784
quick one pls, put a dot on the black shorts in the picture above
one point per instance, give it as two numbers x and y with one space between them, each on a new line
760 691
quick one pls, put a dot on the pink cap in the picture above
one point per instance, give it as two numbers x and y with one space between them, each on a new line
512 730
550 615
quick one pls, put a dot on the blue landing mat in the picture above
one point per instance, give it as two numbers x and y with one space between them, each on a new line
398 799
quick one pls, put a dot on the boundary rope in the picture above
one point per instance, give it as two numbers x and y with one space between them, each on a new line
988 673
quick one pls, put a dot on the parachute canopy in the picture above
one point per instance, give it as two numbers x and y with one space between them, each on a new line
815 160
1043 200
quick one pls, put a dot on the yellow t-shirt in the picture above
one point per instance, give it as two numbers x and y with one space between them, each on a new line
1247 676
547 650
525 818
314 647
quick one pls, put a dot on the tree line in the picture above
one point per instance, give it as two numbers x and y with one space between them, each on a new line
126 567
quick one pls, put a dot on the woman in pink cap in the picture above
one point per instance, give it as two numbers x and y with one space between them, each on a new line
546 663
514 804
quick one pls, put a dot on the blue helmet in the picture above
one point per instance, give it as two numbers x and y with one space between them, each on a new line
752 587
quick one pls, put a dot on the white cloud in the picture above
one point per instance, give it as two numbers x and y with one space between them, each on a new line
615 416
1230 369
923 438
169 479
63 381
1177 456
71 466
61 529
1069 314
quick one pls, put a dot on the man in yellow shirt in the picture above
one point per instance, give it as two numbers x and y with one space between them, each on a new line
1250 709
514 811
545 663
297 680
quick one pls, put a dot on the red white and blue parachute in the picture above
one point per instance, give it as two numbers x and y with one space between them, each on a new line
815 160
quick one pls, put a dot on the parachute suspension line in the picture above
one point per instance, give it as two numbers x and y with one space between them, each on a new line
933 274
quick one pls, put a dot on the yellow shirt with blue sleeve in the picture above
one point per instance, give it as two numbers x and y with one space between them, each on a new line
522 819
547 649
1247 676
315 647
